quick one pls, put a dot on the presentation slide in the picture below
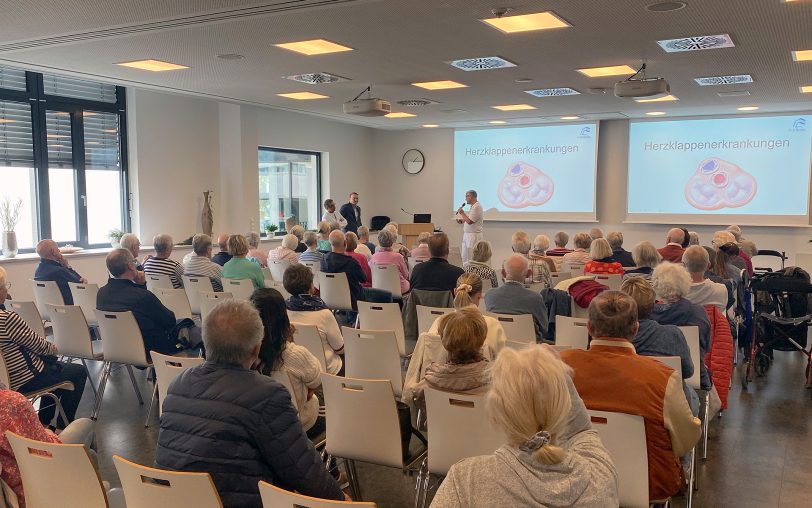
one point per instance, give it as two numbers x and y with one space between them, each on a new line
752 170
529 173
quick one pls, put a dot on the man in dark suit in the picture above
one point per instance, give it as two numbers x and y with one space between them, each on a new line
619 254
352 213
54 267
673 250
436 274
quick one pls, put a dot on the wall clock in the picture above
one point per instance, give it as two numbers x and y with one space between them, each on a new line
413 161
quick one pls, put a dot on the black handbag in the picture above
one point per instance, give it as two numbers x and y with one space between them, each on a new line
406 429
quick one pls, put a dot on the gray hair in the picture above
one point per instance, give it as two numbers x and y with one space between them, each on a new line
645 254
297 231
363 231
520 242
337 239
117 261
582 240
736 231
129 241
670 281
253 239
471 192
595 233
231 331
386 238
541 242
561 239
311 238
722 237
290 222
201 244
481 251
600 249
694 238
516 267
290 241
615 239
162 243
324 227
696 259
423 237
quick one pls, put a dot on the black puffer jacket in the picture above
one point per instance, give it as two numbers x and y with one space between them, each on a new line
240 427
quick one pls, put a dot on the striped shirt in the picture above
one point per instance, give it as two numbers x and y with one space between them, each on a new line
204 267
311 255
165 266
485 272
21 348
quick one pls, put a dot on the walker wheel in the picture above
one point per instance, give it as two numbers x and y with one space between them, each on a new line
762 365
745 366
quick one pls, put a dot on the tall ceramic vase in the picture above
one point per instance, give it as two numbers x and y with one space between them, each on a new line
9 244
207 215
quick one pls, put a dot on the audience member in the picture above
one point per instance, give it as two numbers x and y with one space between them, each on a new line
161 263
384 255
279 353
239 267
337 261
131 242
307 308
298 231
539 272
747 247
436 274
703 291
726 255
324 236
331 216
54 267
595 233
286 251
362 260
601 254
610 376
619 254
694 238
673 250
480 263
539 252
290 223
561 238
394 228
312 254
553 457
31 363
254 251
686 238
671 284
646 258
222 257
201 265
352 214
514 298
580 255
421 252
363 239
227 420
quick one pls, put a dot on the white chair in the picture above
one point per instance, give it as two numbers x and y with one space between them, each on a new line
313 266
571 331
455 256
518 327
387 278
691 334
45 292
274 497
193 285
71 335
427 315
412 263
383 316
308 337
624 437
84 295
241 289
46 391
175 300
675 362
167 368
56 474
372 354
155 281
577 311
266 273
516 346
559 276
278 269
335 290
279 286
574 269
209 300
123 344
29 313
612 280
147 487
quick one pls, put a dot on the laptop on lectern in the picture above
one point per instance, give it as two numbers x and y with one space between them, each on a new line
422 218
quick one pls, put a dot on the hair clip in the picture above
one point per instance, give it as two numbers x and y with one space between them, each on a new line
538 440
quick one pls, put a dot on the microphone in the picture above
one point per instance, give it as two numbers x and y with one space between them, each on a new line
404 211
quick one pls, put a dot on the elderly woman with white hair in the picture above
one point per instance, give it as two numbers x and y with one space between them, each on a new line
286 251
479 263
582 243
539 252
253 249
602 261
161 263
553 457
385 255
646 258
539 271
298 231
421 252
671 283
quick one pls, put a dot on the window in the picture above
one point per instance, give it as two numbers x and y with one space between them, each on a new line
62 152
289 186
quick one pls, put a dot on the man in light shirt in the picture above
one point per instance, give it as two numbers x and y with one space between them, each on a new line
331 216
472 224
703 291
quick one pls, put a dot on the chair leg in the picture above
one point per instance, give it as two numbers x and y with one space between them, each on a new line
151 405
100 392
95 392
689 498
705 424
418 484
355 487
135 385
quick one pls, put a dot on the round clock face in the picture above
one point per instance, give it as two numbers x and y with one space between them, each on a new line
413 161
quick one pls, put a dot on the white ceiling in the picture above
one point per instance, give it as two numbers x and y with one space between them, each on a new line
398 42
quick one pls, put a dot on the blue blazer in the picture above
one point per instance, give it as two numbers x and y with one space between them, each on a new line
348 213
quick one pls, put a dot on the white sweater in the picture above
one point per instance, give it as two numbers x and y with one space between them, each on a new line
330 333
304 371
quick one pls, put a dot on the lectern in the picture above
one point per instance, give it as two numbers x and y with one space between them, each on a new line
410 232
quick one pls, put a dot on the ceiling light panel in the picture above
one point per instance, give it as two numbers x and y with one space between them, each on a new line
724 80
430 125
302 96
439 85
655 113
667 98
514 107
152 65
748 108
803 55
527 22
805 89
483 63
613 70
314 47
316 78
698 43
553 92
497 122
399 114
733 93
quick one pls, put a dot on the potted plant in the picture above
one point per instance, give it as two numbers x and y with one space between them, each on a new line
270 228
9 217
115 238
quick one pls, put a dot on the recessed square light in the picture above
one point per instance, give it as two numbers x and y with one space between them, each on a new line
553 92
6 120
153 65
655 113
482 63
613 70
303 96
735 79
497 122
698 43
514 107
803 55
439 85
430 125
399 114
747 108
667 98
314 47
806 89
527 22
570 117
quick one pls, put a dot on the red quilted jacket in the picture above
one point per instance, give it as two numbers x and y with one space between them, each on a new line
720 358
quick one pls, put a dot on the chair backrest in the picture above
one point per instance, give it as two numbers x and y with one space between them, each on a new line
374 438
559 276
577 311
4 376
571 331
29 312
516 346
84 295
675 362
242 289
56 474
313 266
412 263
193 285
575 269
279 286
167 368
283 378
274 497
335 290
71 334
373 354
386 277
155 281
208 300
455 256
691 334
122 338
458 428
383 316
624 437
308 337
427 315
278 269
612 280
175 300
146 487
518 327
45 292
266 273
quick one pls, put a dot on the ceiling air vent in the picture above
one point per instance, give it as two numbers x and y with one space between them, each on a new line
316 78
698 43
417 102
724 80
482 64
734 93
553 92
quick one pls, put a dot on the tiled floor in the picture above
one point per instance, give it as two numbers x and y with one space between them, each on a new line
759 451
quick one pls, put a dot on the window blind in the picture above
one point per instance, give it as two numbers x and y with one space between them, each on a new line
11 78
101 141
60 145
16 140
65 86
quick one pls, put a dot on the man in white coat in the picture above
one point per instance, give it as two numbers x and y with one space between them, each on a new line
472 224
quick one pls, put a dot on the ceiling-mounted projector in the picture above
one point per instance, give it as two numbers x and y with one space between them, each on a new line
642 87
367 107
